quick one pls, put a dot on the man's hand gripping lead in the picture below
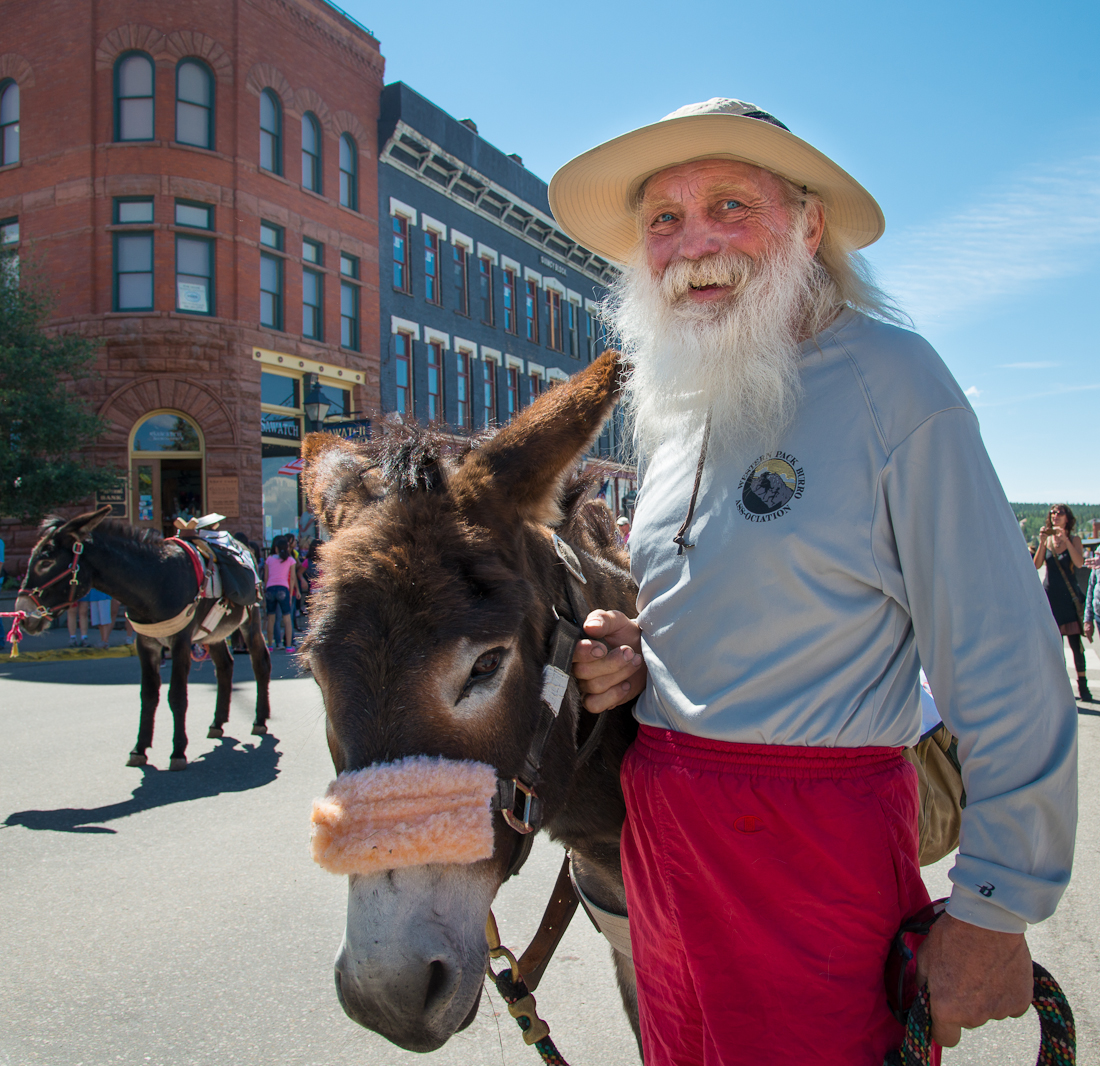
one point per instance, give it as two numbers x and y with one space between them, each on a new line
608 662
974 975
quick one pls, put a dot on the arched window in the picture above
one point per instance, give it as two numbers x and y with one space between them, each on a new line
9 123
194 104
311 152
349 172
271 132
134 97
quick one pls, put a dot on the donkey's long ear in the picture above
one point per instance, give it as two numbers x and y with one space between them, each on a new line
339 481
522 467
84 523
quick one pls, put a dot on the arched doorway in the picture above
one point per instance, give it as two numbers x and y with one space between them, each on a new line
166 464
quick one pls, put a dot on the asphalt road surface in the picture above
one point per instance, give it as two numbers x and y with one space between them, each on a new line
177 920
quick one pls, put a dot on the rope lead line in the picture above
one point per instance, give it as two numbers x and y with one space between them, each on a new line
521 1004
1058 1035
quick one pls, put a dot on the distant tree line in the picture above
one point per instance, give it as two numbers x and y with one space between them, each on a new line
1034 516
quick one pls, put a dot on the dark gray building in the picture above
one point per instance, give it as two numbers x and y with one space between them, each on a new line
484 301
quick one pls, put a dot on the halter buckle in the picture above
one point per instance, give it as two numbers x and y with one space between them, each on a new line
524 823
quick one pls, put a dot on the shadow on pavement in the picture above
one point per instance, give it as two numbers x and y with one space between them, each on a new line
128 671
228 768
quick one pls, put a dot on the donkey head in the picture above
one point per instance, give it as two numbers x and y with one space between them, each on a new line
428 637
55 578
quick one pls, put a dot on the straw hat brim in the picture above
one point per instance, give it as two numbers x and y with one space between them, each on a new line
593 195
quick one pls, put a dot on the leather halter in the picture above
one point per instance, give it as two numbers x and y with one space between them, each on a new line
517 798
33 594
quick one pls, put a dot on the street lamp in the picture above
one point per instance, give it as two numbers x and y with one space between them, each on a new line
316 406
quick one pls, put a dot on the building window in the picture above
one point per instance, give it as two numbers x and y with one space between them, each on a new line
513 392
489 390
313 251
593 335
435 381
199 216
462 420
133 210
509 301
9 123
349 172
461 280
133 272
312 304
536 385
349 265
485 289
555 339
271 132
531 310
194 104
271 291
271 236
9 248
134 98
431 266
311 152
402 345
349 316
573 312
401 279
194 275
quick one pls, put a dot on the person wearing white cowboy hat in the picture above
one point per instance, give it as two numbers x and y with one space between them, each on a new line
816 519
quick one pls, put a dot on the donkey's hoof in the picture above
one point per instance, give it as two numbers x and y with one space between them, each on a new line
259 730
214 733
178 764
137 759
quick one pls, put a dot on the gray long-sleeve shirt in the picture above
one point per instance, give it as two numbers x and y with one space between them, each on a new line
875 540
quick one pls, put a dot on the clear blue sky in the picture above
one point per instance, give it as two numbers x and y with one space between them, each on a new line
975 125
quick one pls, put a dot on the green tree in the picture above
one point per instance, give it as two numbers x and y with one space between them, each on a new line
45 427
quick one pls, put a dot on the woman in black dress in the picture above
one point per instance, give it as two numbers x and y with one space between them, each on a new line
1060 549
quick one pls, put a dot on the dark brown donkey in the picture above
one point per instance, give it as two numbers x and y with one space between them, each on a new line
429 634
156 580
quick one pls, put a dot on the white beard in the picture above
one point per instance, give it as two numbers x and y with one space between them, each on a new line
737 358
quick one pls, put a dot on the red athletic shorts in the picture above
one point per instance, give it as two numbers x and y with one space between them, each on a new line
764 885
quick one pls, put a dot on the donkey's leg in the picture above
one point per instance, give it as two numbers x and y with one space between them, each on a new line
261 667
223 667
149 654
177 697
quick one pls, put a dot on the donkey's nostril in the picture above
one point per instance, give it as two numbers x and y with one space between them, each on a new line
439 987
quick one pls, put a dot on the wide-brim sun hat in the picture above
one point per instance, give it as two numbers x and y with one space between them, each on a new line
594 196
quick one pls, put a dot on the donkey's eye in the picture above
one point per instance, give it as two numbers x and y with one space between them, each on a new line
485 666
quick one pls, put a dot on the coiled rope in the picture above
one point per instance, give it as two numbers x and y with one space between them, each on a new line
1058 1035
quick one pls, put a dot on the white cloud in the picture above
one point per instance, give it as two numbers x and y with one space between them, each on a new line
973 392
1061 390
1044 225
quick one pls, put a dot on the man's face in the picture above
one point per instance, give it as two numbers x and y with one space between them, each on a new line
716 206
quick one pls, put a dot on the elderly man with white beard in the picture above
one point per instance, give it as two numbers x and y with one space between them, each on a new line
817 518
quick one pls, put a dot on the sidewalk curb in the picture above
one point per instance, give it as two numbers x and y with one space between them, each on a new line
122 651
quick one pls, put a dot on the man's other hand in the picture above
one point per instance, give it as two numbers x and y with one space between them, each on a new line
973 975
609 668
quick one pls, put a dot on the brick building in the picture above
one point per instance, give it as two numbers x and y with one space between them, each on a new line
197 181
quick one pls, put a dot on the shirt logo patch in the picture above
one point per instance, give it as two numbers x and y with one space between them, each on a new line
748 823
769 485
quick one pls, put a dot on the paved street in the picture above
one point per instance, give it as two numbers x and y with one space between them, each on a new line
172 919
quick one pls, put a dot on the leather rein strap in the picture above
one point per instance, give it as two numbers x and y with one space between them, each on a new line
526 820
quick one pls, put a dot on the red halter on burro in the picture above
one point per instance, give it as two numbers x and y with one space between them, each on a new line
33 594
